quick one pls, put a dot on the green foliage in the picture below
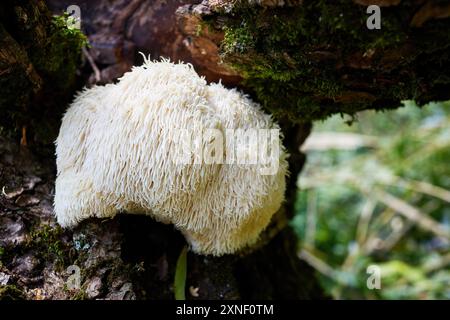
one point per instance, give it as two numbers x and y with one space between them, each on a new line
370 200
180 276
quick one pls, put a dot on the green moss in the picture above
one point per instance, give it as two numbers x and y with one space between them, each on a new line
293 60
43 74
46 242
11 292
59 57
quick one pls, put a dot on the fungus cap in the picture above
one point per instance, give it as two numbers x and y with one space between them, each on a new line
115 154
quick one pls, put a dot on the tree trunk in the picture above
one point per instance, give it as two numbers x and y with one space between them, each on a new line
277 51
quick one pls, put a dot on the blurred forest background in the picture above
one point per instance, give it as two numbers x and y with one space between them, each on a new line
378 192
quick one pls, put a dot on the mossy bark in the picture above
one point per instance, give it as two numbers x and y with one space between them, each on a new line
307 60
39 55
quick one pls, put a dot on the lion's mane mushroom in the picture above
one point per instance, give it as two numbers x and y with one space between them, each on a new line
115 154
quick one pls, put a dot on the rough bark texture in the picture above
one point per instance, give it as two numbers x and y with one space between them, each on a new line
269 50
39 56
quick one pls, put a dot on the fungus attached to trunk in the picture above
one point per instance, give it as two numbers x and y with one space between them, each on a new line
116 153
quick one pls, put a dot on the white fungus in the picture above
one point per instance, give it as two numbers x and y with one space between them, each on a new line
115 153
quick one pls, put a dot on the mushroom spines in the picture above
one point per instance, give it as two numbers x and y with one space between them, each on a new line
116 151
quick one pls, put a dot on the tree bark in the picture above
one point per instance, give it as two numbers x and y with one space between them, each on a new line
39 56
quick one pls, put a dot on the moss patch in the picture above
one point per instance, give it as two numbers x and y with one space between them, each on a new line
46 242
60 55
38 69
319 58
11 292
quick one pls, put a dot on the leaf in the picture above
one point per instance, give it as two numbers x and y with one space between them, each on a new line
180 275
